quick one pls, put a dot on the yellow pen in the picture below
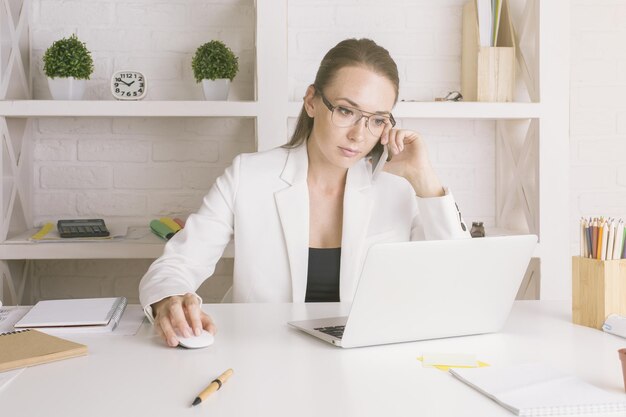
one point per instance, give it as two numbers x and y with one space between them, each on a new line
215 385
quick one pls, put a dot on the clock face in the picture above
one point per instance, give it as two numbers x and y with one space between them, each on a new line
128 85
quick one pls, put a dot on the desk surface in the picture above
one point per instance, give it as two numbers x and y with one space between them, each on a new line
280 371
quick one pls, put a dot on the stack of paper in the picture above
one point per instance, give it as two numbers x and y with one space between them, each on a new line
537 390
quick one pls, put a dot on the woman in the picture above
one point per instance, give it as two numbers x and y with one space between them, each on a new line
303 215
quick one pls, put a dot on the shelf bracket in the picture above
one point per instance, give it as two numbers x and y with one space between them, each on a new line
14 284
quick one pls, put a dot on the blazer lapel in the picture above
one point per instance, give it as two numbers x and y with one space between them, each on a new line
357 207
293 209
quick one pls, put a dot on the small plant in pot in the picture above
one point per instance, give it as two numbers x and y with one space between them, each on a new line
67 64
215 65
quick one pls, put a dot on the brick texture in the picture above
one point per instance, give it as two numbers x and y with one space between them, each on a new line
135 169
598 114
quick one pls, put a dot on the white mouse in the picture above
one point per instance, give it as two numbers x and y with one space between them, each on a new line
194 342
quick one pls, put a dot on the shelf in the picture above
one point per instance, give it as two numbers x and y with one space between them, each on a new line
454 110
113 108
139 244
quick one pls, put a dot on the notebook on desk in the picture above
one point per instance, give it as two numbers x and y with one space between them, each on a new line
29 347
430 289
84 313
538 390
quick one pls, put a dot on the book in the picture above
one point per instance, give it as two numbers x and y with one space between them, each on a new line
83 313
485 21
30 347
538 390
497 10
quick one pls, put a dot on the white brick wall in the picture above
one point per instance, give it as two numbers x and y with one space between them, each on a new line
136 169
122 168
598 111
132 170
90 278
424 37
158 38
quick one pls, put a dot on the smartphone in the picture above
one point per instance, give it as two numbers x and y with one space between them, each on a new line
380 153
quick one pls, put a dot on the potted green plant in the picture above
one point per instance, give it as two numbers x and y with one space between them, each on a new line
67 64
215 65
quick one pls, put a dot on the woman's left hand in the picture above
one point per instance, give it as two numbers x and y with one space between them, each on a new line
409 159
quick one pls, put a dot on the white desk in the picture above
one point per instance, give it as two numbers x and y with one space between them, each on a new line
280 371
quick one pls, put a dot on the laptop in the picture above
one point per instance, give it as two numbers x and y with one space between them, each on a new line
432 289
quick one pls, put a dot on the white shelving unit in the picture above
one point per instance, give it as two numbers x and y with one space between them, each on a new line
110 108
532 138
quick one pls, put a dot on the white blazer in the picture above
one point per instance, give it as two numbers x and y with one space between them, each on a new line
262 201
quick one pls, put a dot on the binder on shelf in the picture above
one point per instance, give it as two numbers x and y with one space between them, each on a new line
598 290
487 72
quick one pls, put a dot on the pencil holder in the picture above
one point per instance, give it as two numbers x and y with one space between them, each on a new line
487 72
598 289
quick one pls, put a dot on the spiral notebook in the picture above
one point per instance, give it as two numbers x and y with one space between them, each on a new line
76 315
538 390
30 347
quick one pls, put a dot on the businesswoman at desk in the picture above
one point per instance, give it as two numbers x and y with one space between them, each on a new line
303 215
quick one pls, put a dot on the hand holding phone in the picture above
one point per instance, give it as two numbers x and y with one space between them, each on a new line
378 162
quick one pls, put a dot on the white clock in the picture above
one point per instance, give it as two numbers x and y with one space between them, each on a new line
128 85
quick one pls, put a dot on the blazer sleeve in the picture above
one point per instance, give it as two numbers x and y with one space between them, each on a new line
189 258
439 219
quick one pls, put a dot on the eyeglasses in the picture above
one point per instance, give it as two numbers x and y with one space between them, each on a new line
344 116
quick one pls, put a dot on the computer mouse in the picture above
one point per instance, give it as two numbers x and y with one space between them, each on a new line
194 342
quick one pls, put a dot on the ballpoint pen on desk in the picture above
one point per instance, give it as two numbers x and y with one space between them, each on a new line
215 385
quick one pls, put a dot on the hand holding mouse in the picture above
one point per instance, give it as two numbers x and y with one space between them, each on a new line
180 315
203 340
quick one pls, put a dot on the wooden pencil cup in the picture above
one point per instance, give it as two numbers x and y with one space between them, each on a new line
598 289
487 73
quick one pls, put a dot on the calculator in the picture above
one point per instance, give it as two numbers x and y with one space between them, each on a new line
82 228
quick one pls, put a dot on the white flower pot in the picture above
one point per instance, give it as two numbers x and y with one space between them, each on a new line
216 89
66 88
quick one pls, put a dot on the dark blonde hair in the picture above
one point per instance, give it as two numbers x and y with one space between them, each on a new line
347 53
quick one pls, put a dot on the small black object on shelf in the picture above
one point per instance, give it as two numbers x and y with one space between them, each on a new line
82 228
478 230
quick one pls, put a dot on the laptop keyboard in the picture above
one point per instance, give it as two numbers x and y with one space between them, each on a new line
336 331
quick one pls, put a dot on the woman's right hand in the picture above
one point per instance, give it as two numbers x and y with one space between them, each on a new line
180 315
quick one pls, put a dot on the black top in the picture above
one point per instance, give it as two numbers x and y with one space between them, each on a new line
323 275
